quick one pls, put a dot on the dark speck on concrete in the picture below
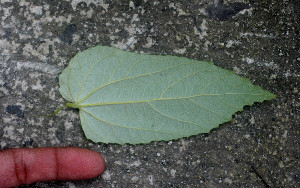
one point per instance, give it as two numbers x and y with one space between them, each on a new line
224 12
16 110
7 33
67 34
137 3
28 142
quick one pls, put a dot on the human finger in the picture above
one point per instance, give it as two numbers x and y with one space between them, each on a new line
26 166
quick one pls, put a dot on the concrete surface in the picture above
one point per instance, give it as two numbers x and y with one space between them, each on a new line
256 39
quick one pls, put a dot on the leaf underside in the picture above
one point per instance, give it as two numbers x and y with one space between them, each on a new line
125 97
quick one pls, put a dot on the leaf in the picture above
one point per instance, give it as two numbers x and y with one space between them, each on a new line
125 97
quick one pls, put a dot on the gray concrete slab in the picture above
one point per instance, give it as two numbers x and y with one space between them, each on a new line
256 39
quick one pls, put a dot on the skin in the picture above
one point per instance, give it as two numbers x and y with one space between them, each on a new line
26 166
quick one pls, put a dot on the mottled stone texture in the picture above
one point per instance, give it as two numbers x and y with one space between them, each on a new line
256 39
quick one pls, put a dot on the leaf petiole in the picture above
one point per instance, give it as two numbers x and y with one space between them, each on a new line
54 113
72 105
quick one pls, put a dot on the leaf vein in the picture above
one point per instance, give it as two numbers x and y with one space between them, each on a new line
172 117
142 75
179 81
206 108
91 69
121 126
92 130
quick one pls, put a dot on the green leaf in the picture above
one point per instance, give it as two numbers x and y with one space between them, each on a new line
125 97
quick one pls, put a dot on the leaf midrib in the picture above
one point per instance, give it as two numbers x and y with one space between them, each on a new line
163 99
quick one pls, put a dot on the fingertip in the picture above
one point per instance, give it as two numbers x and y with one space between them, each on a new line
94 163
79 163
